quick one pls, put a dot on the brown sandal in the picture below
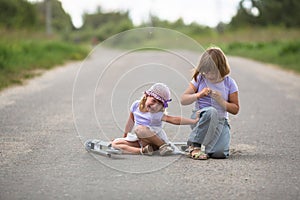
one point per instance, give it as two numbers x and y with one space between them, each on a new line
189 151
200 155
147 150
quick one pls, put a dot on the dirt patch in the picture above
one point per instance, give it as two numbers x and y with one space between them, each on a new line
11 149
240 149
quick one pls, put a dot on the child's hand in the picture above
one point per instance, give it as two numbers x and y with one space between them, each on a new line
197 116
205 92
216 95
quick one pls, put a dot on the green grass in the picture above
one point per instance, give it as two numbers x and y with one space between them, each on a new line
285 54
21 58
24 54
274 45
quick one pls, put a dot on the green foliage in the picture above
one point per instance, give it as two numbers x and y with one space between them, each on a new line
267 13
100 26
19 58
20 14
192 29
61 21
16 14
292 48
104 25
283 53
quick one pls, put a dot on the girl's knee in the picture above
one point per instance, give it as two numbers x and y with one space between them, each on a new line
142 131
139 129
115 143
208 113
211 111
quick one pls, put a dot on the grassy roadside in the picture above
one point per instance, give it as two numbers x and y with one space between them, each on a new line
23 54
21 58
274 45
285 54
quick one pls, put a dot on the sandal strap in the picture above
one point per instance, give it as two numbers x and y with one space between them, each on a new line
191 149
200 154
194 148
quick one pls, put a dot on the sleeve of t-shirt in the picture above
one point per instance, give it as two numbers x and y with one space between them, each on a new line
232 86
196 83
134 106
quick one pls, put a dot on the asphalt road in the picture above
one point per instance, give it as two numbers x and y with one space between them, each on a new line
43 125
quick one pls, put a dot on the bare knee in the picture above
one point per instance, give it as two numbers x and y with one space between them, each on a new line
139 129
116 143
142 131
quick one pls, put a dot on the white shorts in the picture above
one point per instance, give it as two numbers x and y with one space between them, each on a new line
132 137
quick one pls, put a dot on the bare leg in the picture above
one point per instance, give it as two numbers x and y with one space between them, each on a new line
126 146
147 136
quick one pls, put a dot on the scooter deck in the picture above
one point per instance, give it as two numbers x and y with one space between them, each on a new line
104 147
101 147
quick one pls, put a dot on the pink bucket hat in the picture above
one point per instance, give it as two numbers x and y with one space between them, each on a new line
161 92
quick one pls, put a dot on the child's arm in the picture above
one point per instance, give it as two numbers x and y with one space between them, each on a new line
190 95
180 120
129 124
231 106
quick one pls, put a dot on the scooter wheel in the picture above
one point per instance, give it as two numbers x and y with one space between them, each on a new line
88 145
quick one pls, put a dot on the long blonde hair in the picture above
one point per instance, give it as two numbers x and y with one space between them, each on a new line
143 102
212 59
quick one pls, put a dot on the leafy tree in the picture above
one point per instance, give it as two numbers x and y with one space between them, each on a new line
61 21
268 12
17 14
192 29
95 21
104 25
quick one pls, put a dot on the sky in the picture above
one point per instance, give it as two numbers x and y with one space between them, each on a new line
204 12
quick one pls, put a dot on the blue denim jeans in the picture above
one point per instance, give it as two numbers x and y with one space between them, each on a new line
211 131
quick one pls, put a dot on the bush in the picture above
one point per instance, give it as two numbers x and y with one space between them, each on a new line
290 48
18 58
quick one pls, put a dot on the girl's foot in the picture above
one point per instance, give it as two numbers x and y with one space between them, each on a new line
188 151
165 149
197 154
147 150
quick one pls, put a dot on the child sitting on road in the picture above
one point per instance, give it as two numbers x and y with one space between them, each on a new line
145 120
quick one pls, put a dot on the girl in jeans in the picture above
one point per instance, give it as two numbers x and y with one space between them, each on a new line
215 95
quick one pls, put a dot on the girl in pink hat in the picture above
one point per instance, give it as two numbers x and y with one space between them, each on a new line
143 131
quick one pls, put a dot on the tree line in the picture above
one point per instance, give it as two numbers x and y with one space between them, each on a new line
267 13
21 14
